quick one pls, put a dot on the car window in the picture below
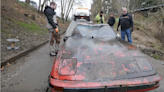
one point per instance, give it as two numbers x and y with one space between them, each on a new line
96 31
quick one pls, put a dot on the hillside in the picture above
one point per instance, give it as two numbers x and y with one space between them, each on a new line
145 34
19 20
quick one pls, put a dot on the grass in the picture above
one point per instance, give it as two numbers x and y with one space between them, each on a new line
5 32
25 5
138 25
156 57
33 27
158 45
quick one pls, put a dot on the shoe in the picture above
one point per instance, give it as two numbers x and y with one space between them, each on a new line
52 53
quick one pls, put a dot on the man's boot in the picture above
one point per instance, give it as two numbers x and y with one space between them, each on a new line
52 52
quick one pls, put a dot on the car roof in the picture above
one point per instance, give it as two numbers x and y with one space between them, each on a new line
73 25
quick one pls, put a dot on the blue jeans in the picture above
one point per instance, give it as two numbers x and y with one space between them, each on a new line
128 34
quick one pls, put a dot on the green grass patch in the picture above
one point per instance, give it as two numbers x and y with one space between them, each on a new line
33 27
5 32
156 57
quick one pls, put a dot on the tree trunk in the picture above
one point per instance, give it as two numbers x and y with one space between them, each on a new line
69 10
65 4
28 1
43 5
39 5
104 6
62 12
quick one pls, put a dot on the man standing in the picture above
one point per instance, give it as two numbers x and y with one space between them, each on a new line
111 20
100 18
52 27
126 23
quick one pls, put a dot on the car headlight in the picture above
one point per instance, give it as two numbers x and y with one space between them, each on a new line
67 66
143 64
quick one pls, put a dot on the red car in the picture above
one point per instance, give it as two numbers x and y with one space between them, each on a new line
94 59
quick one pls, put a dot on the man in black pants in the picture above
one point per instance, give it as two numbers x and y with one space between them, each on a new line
111 20
53 28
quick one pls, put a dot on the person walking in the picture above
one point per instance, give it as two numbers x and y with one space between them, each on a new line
53 28
100 18
111 20
126 23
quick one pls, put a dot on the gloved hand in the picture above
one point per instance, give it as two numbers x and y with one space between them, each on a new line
131 29
56 29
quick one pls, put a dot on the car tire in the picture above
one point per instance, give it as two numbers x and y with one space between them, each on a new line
88 19
47 89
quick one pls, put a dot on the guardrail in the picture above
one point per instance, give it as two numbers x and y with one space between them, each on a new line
148 8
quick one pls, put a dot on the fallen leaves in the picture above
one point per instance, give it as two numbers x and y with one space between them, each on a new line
8 64
2 68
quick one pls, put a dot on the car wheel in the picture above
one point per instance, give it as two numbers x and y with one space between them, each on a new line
89 19
47 89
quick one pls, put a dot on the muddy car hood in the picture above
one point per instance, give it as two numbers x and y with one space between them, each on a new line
100 59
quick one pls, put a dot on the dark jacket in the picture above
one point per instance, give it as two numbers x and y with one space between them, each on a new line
49 12
111 21
126 22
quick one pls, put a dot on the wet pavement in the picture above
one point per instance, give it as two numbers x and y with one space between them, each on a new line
28 74
160 69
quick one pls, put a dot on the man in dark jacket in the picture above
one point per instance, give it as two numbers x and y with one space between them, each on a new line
52 27
111 20
126 23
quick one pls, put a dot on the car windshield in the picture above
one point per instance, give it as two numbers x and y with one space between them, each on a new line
96 31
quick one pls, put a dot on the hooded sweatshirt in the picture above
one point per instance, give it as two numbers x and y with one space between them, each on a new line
51 17
111 21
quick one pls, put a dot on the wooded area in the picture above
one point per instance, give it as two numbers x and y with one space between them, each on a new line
65 6
115 6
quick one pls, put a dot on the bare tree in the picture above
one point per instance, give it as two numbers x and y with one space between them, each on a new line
43 5
39 5
66 6
96 7
158 17
69 9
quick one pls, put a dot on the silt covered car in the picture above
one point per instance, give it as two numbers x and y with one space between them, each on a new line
94 59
